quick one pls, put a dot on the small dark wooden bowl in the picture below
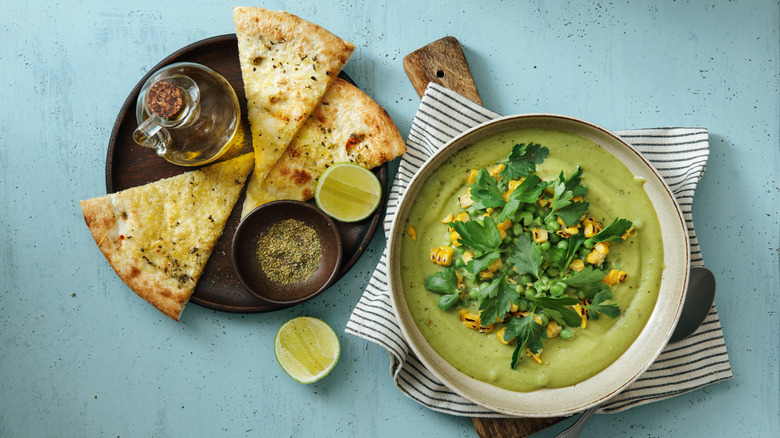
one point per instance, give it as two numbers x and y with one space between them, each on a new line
247 265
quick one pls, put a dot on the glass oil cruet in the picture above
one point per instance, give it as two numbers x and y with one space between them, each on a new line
188 113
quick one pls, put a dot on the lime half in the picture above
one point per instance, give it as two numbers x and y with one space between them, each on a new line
306 348
348 193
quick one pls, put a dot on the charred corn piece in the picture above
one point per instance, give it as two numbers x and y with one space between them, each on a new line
500 335
614 277
485 274
468 256
465 199
472 321
539 236
542 201
496 170
463 217
595 257
503 226
450 217
454 236
602 247
578 199
511 186
412 232
495 266
630 232
514 308
591 227
473 176
536 356
442 255
583 312
553 329
577 265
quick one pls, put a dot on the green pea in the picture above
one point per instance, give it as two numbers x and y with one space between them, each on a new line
588 244
507 239
545 319
523 305
552 225
519 288
580 294
552 271
545 246
517 229
554 238
584 252
473 293
482 286
459 263
566 334
563 244
526 278
530 293
557 289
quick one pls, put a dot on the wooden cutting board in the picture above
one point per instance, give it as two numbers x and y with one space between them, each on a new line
444 63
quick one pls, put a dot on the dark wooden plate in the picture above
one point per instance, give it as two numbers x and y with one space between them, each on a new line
129 165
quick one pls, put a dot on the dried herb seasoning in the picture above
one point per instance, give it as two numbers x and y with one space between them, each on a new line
289 252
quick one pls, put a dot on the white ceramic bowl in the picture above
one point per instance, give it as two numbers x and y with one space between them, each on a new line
642 352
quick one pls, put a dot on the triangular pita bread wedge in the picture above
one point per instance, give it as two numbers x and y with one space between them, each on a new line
346 127
287 64
159 236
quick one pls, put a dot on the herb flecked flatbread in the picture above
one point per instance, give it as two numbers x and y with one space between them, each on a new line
346 127
287 64
159 236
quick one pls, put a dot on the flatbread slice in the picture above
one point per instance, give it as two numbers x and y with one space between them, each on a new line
287 64
346 127
159 236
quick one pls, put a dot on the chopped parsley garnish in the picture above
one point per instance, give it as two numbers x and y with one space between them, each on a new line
522 260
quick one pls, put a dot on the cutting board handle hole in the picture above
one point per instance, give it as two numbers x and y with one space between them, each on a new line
440 74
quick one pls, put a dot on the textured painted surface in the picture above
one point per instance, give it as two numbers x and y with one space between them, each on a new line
81 355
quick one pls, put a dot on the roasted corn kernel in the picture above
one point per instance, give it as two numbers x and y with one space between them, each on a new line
595 257
503 227
539 236
454 236
442 255
511 186
583 312
500 335
465 199
473 176
577 265
472 321
614 277
536 356
496 170
412 232
553 329
450 217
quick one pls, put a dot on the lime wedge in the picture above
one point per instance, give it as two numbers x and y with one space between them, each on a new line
348 193
306 348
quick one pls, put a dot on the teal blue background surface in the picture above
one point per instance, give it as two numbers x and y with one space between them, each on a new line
81 355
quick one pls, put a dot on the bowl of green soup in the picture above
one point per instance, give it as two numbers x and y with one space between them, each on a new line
538 264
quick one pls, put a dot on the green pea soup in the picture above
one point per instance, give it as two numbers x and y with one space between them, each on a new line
612 191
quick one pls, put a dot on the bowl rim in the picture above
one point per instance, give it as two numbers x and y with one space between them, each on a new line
640 354
314 212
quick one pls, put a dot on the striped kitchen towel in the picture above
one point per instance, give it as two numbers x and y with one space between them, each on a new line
679 154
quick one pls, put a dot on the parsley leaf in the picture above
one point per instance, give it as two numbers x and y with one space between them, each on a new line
496 300
613 232
529 334
481 235
442 282
525 256
596 308
562 258
485 192
562 204
556 308
479 264
523 160
588 281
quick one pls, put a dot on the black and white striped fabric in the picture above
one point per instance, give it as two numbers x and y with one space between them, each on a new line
679 154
